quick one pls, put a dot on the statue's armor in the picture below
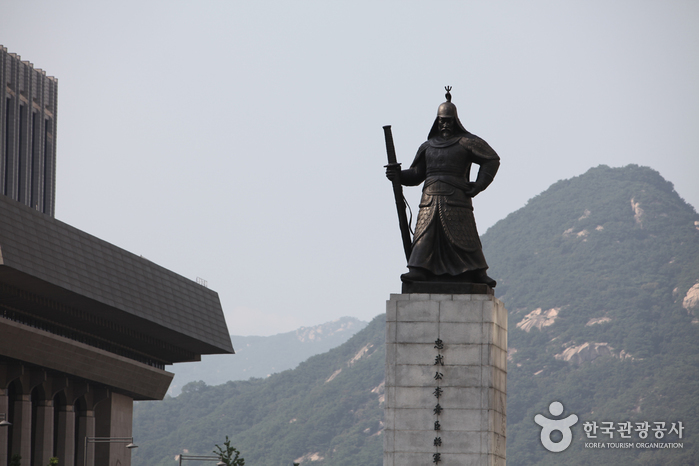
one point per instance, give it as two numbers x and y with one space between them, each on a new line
446 239
443 198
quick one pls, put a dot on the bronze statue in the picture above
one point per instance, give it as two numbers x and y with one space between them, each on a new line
445 246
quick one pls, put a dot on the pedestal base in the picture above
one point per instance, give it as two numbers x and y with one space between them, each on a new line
446 377
446 288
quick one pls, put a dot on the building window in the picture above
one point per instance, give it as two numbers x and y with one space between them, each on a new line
21 162
31 163
45 166
6 159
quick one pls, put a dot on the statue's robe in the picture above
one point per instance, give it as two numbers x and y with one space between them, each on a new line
446 239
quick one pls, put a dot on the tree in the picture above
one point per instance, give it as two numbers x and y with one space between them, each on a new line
53 461
16 460
226 454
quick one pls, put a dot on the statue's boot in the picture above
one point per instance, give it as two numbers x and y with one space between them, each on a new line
482 277
415 274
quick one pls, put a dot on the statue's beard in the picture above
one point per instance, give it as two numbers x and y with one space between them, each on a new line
446 133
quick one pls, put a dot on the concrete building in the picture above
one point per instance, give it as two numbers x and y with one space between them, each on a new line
86 328
27 133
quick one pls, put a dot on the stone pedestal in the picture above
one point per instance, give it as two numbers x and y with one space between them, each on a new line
446 376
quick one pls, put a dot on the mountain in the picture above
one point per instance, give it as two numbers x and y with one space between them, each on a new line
600 274
326 410
262 356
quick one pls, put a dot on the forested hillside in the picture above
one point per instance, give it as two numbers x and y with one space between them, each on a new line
597 273
326 410
257 356
600 274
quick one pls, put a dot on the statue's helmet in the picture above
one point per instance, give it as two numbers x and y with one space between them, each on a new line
447 110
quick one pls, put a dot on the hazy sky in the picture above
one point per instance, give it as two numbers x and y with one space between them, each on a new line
241 142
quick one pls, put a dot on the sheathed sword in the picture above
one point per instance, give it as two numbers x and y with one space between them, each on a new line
398 194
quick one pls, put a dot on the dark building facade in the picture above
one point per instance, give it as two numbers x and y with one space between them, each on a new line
86 328
27 133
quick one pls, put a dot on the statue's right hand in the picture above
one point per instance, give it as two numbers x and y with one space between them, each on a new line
393 171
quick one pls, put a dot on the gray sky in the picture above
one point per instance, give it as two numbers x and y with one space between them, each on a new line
241 142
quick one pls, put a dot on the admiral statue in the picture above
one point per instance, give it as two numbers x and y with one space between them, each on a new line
445 246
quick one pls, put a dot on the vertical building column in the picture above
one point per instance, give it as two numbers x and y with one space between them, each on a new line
86 425
86 428
114 418
8 373
22 422
43 443
22 427
4 431
65 448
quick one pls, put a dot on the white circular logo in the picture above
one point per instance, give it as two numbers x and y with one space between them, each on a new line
561 425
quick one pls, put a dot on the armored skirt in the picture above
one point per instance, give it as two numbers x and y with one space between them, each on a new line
446 240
